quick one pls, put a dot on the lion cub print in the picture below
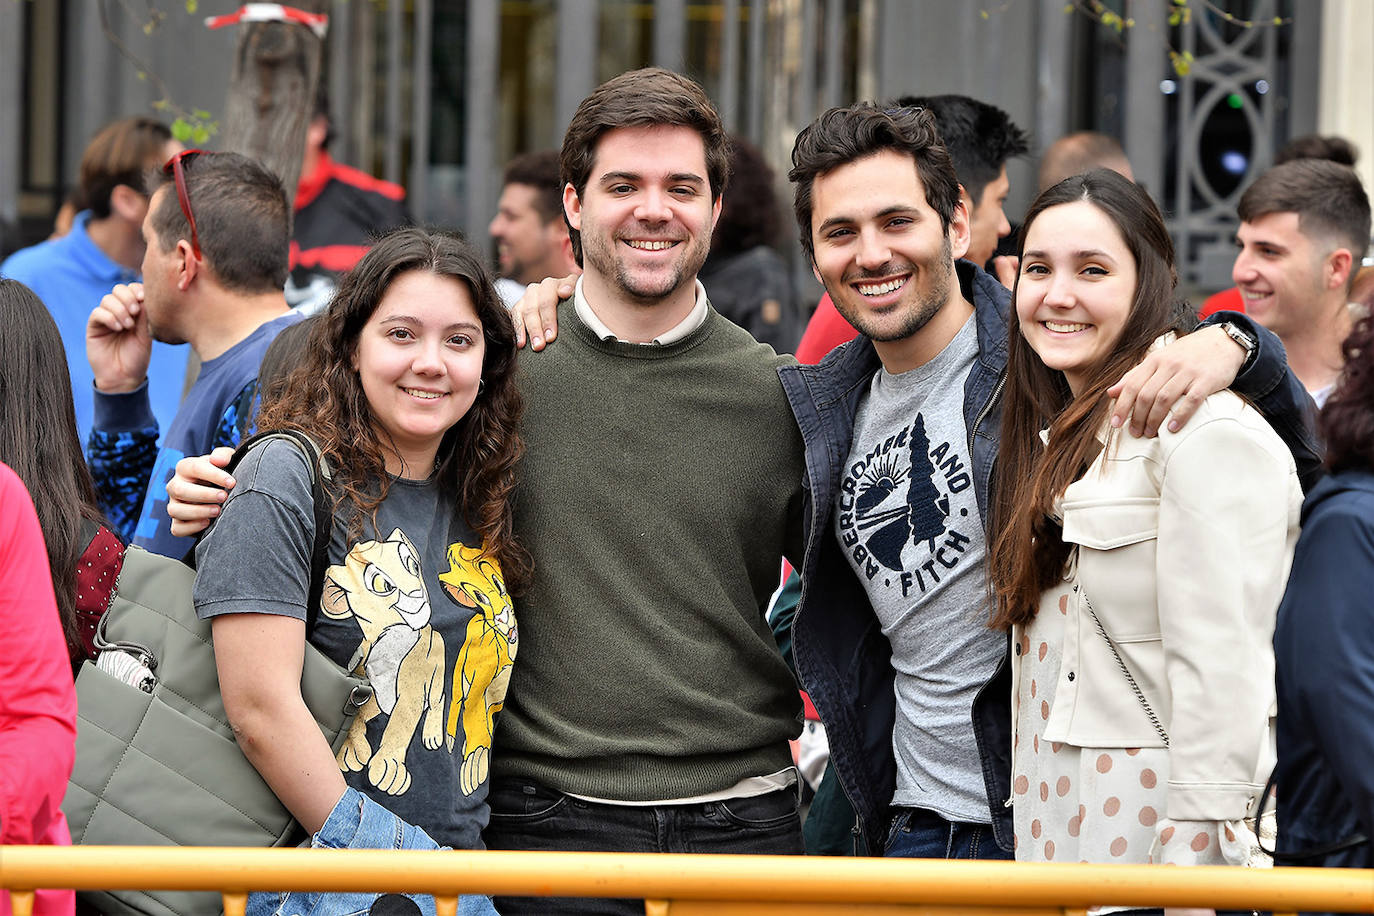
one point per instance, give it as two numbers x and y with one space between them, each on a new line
484 664
379 585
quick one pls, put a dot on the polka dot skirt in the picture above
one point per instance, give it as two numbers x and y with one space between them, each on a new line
1081 804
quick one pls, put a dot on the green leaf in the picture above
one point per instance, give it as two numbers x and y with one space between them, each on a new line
200 115
199 135
192 6
181 130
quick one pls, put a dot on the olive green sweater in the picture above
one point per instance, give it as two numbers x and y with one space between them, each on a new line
660 488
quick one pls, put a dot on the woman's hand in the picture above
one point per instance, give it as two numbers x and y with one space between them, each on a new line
196 491
537 311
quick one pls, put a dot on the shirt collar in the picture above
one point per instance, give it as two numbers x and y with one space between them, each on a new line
83 249
695 318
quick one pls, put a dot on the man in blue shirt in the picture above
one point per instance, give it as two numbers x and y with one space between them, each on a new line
103 248
214 271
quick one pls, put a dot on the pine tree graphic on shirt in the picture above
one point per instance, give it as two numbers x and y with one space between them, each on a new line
929 507
891 519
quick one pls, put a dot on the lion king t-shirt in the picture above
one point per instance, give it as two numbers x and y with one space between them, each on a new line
410 601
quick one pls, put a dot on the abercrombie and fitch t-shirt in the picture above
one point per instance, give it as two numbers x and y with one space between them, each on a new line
908 522
410 602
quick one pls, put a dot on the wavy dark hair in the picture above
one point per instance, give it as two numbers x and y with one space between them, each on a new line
324 398
1028 553
1346 422
38 439
844 135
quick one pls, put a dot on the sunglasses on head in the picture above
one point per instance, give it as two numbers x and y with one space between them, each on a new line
175 168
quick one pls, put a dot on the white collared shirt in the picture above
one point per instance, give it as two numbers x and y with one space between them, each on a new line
695 318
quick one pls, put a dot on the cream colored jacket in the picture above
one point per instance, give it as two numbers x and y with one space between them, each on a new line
1184 545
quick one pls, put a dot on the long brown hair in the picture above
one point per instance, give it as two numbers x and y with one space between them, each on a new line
1028 553
38 439
324 398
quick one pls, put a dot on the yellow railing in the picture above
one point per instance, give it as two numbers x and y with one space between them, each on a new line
683 885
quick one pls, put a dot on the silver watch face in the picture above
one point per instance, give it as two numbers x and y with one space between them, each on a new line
1240 337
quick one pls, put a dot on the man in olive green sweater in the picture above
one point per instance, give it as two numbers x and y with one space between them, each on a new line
649 709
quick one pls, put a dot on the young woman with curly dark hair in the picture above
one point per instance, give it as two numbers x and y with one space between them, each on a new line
407 386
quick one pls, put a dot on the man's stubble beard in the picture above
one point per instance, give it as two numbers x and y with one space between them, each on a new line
605 262
928 306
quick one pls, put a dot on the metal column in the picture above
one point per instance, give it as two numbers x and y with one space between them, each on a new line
484 34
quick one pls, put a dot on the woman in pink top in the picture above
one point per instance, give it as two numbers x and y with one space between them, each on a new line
37 700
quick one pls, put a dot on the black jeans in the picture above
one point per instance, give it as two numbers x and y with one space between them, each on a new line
528 815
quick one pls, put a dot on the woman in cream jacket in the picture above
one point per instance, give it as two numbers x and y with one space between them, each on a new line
1139 577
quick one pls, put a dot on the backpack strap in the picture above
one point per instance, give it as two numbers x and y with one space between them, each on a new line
320 477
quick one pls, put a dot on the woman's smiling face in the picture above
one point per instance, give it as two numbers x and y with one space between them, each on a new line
1075 290
419 360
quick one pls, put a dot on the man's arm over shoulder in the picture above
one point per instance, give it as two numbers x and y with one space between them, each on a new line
1268 383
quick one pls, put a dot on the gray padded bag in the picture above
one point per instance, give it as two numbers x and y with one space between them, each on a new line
162 768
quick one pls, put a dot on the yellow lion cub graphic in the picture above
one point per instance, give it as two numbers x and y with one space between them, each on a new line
483 670
379 585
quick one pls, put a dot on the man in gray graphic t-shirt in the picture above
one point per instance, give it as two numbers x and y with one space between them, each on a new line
908 521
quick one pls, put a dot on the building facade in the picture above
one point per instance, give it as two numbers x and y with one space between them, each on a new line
438 94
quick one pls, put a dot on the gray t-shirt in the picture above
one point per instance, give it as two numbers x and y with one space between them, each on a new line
908 522
408 602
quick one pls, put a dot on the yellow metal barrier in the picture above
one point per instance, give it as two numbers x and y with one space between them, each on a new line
681 885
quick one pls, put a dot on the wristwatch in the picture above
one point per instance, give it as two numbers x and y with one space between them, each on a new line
1244 339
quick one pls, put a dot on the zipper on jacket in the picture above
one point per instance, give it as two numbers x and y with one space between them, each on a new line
987 409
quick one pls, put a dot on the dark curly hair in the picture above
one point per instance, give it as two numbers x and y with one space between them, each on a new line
477 458
1346 422
844 135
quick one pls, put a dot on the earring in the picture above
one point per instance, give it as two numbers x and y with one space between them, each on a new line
481 385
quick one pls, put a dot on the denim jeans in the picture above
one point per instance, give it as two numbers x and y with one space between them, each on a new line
920 834
357 822
528 815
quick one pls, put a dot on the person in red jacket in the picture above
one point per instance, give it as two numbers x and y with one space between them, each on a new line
37 700
340 212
